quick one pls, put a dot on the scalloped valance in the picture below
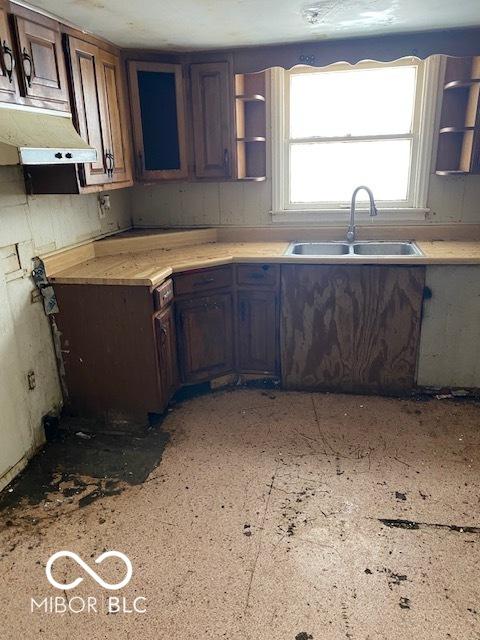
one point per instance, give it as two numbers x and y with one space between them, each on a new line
454 42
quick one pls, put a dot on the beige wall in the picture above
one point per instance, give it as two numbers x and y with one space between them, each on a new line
451 199
31 226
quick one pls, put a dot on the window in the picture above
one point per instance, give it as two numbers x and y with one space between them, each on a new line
336 128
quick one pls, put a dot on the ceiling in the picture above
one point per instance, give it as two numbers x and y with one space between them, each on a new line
210 24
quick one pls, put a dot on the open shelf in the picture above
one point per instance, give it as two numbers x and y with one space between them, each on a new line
459 134
251 126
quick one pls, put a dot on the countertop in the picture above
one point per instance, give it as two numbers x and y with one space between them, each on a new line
130 261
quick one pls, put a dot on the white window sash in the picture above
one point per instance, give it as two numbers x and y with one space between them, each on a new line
422 136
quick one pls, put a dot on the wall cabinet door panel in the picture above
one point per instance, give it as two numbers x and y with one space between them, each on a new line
158 117
205 336
114 116
351 328
257 331
42 69
212 113
8 76
167 353
89 100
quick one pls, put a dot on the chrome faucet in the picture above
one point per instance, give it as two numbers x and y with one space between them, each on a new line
373 211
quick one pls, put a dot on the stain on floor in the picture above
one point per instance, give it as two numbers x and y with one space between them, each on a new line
266 517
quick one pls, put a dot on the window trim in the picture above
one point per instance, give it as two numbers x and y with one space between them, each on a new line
426 113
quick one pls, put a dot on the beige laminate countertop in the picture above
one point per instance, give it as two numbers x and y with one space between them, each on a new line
150 267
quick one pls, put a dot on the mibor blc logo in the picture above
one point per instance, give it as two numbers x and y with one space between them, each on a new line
89 604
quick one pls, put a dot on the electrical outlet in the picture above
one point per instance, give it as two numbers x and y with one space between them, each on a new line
103 205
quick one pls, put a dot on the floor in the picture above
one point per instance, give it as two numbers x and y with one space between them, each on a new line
267 515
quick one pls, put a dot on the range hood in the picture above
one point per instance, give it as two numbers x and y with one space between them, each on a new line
29 136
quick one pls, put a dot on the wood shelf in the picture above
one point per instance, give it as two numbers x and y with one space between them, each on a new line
452 173
253 98
461 84
252 139
456 129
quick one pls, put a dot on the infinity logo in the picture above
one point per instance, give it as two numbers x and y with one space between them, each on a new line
87 569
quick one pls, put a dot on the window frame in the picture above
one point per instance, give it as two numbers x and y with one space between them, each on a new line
424 120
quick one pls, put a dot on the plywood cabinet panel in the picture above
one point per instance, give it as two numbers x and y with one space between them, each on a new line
350 328
42 64
205 336
212 114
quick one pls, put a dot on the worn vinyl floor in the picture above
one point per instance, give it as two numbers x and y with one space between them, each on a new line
271 515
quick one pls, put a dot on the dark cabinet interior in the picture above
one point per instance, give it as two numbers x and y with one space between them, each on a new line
158 115
350 328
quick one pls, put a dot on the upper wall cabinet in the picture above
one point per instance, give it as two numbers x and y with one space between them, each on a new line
8 78
158 116
41 69
212 119
99 110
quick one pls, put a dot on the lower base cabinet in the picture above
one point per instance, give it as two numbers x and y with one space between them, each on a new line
205 336
257 332
351 328
167 353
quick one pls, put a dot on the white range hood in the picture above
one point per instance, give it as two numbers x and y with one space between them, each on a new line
31 136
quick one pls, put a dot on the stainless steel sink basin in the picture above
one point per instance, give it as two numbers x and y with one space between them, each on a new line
318 249
352 250
386 249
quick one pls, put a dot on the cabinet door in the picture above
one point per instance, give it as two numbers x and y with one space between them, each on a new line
167 353
351 328
158 117
205 337
212 113
257 331
42 69
114 121
8 76
87 97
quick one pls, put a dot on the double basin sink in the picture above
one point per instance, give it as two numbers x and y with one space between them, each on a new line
353 249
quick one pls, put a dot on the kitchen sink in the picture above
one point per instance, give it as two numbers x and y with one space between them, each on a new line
386 249
318 249
353 250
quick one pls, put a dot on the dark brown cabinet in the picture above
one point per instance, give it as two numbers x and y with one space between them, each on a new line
205 336
42 73
350 328
257 331
99 109
8 76
167 353
212 119
158 118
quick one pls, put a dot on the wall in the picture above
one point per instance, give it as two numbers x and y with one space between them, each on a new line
30 226
450 199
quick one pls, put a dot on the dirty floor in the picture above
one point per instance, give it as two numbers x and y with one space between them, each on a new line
263 515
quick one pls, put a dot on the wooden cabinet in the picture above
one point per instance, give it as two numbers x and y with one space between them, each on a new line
212 119
158 117
99 109
205 336
350 328
257 332
167 353
8 76
41 68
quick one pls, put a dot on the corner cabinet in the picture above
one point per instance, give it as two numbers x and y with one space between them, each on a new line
211 86
157 104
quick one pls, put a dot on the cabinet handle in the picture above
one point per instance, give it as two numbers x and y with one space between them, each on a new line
8 61
109 163
226 162
27 66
